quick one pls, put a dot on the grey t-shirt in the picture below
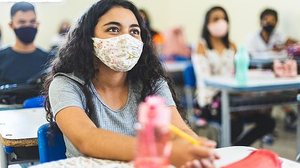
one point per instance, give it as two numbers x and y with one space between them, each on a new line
65 91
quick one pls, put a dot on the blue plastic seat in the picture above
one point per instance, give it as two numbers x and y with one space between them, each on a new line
34 102
51 148
189 88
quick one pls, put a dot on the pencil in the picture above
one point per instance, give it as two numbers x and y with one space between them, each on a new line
183 135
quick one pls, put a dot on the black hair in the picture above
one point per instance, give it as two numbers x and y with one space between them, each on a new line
147 22
77 56
269 12
205 32
21 6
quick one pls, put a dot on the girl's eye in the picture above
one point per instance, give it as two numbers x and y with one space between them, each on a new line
113 29
135 32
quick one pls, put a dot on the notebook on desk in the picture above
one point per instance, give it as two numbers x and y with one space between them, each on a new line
229 155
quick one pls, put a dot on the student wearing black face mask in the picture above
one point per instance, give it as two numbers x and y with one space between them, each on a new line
23 60
268 40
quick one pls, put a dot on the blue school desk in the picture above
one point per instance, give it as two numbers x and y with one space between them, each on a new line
18 128
258 82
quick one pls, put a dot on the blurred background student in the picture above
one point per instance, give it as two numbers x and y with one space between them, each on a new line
147 22
61 36
268 42
23 60
215 57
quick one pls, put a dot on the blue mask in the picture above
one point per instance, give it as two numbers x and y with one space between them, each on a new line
26 34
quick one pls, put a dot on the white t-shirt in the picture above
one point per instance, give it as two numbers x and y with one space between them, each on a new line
257 46
211 64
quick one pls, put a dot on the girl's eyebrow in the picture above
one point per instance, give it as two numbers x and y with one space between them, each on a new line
119 24
134 25
112 23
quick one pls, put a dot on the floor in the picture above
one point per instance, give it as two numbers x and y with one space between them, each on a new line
284 144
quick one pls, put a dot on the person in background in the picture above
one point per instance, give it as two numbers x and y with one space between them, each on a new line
105 69
268 41
60 37
156 36
23 60
147 21
215 57
175 46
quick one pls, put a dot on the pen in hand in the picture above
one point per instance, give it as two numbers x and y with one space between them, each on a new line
183 135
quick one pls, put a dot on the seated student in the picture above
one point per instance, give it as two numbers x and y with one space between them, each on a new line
268 41
175 45
105 69
23 60
60 37
215 57
147 22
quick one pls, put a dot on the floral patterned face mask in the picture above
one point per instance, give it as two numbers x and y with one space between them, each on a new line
119 53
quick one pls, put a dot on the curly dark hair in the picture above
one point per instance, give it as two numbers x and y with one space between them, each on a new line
205 32
77 56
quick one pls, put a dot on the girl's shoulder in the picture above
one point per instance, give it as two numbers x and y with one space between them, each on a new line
233 46
201 47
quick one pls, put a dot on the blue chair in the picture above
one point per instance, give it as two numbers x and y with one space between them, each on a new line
34 102
50 148
189 89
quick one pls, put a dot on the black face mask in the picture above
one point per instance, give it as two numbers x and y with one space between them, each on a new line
26 34
268 28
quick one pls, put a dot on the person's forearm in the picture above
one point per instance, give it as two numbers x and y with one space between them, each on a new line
108 145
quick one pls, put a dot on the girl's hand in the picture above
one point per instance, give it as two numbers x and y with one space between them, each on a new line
186 155
202 163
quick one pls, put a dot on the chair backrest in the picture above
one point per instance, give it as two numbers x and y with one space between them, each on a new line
34 102
51 148
189 76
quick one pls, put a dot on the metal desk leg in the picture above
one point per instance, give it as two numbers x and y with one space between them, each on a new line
225 140
3 158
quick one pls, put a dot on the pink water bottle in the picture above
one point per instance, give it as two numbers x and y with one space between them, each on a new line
153 145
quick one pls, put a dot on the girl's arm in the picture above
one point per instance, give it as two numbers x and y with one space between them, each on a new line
92 141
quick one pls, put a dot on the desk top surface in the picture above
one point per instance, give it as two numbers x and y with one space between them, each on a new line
234 153
227 155
21 123
257 81
175 66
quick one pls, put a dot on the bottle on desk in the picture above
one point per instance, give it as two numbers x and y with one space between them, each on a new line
242 62
153 145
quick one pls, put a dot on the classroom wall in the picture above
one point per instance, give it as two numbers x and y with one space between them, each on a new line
244 16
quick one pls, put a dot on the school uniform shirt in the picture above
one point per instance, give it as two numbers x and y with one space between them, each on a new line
257 46
66 91
17 68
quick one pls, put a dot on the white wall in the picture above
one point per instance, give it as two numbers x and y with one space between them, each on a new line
244 16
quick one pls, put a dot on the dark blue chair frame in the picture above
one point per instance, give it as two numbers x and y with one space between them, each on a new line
52 147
